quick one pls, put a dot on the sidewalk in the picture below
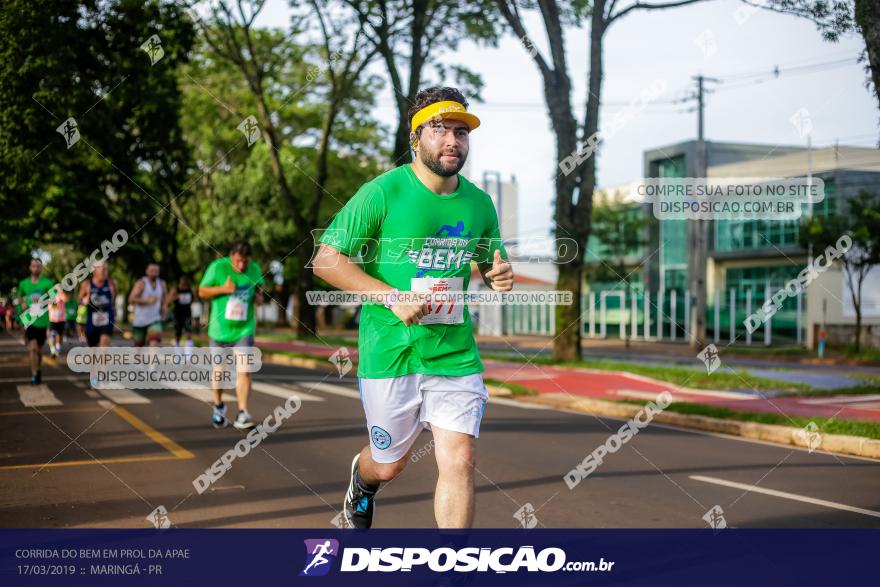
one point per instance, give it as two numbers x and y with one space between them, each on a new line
617 386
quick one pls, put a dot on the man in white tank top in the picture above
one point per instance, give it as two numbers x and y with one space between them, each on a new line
148 297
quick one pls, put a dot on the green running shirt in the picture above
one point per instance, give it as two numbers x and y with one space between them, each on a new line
404 231
32 292
232 316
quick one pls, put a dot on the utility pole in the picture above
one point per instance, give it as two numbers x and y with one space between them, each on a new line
698 233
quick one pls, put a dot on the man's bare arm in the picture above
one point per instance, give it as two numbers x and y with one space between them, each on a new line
338 270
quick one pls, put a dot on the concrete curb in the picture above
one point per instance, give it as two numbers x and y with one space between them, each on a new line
836 443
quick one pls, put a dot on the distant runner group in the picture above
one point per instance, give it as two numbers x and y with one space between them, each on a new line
88 314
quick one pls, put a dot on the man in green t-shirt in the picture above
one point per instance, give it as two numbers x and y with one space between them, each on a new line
417 229
34 315
230 285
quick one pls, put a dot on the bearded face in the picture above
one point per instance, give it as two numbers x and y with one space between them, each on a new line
443 146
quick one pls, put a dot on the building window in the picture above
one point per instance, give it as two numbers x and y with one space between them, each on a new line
735 235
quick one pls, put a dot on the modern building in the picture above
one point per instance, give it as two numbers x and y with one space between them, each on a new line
748 260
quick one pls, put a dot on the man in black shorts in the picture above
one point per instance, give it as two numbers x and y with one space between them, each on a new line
35 315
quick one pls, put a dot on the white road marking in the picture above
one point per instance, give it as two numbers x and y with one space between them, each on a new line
333 389
515 404
840 400
92 393
27 379
786 495
35 396
77 382
283 392
124 396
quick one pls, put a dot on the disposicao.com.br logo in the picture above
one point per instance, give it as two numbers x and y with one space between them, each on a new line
443 560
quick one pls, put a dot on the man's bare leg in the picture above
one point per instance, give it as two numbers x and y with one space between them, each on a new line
373 473
454 499
242 389
36 356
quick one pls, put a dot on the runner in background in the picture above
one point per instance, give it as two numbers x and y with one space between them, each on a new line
57 322
30 290
148 297
82 317
4 322
182 297
231 286
98 296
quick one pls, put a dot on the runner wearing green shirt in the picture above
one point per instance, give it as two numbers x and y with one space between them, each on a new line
30 291
417 229
230 284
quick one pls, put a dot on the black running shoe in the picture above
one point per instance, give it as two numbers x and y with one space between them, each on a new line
358 508
218 417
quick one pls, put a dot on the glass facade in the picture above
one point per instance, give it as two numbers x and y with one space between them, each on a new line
673 234
737 235
756 279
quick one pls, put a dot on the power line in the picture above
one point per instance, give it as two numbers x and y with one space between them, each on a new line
791 68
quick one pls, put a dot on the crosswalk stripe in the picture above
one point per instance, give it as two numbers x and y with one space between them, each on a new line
79 383
124 396
35 396
284 392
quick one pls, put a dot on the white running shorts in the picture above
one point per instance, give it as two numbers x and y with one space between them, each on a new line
398 408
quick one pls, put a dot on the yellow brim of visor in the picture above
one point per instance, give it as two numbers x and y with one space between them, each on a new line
444 110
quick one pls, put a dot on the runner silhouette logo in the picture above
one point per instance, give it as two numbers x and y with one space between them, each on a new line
320 554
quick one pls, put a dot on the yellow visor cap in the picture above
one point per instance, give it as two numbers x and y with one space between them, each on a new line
447 109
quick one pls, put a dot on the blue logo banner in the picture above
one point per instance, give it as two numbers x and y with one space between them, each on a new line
735 557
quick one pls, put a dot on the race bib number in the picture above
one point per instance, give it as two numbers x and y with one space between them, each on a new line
100 318
236 309
185 298
443 311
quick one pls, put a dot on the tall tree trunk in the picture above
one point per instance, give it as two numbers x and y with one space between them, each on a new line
304 313
867 16
858 329
282 300
575 217
567 343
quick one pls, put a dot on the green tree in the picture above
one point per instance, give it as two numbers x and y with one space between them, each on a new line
411 35
327 144
84 60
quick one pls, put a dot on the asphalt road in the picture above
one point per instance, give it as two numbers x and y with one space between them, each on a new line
80 460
